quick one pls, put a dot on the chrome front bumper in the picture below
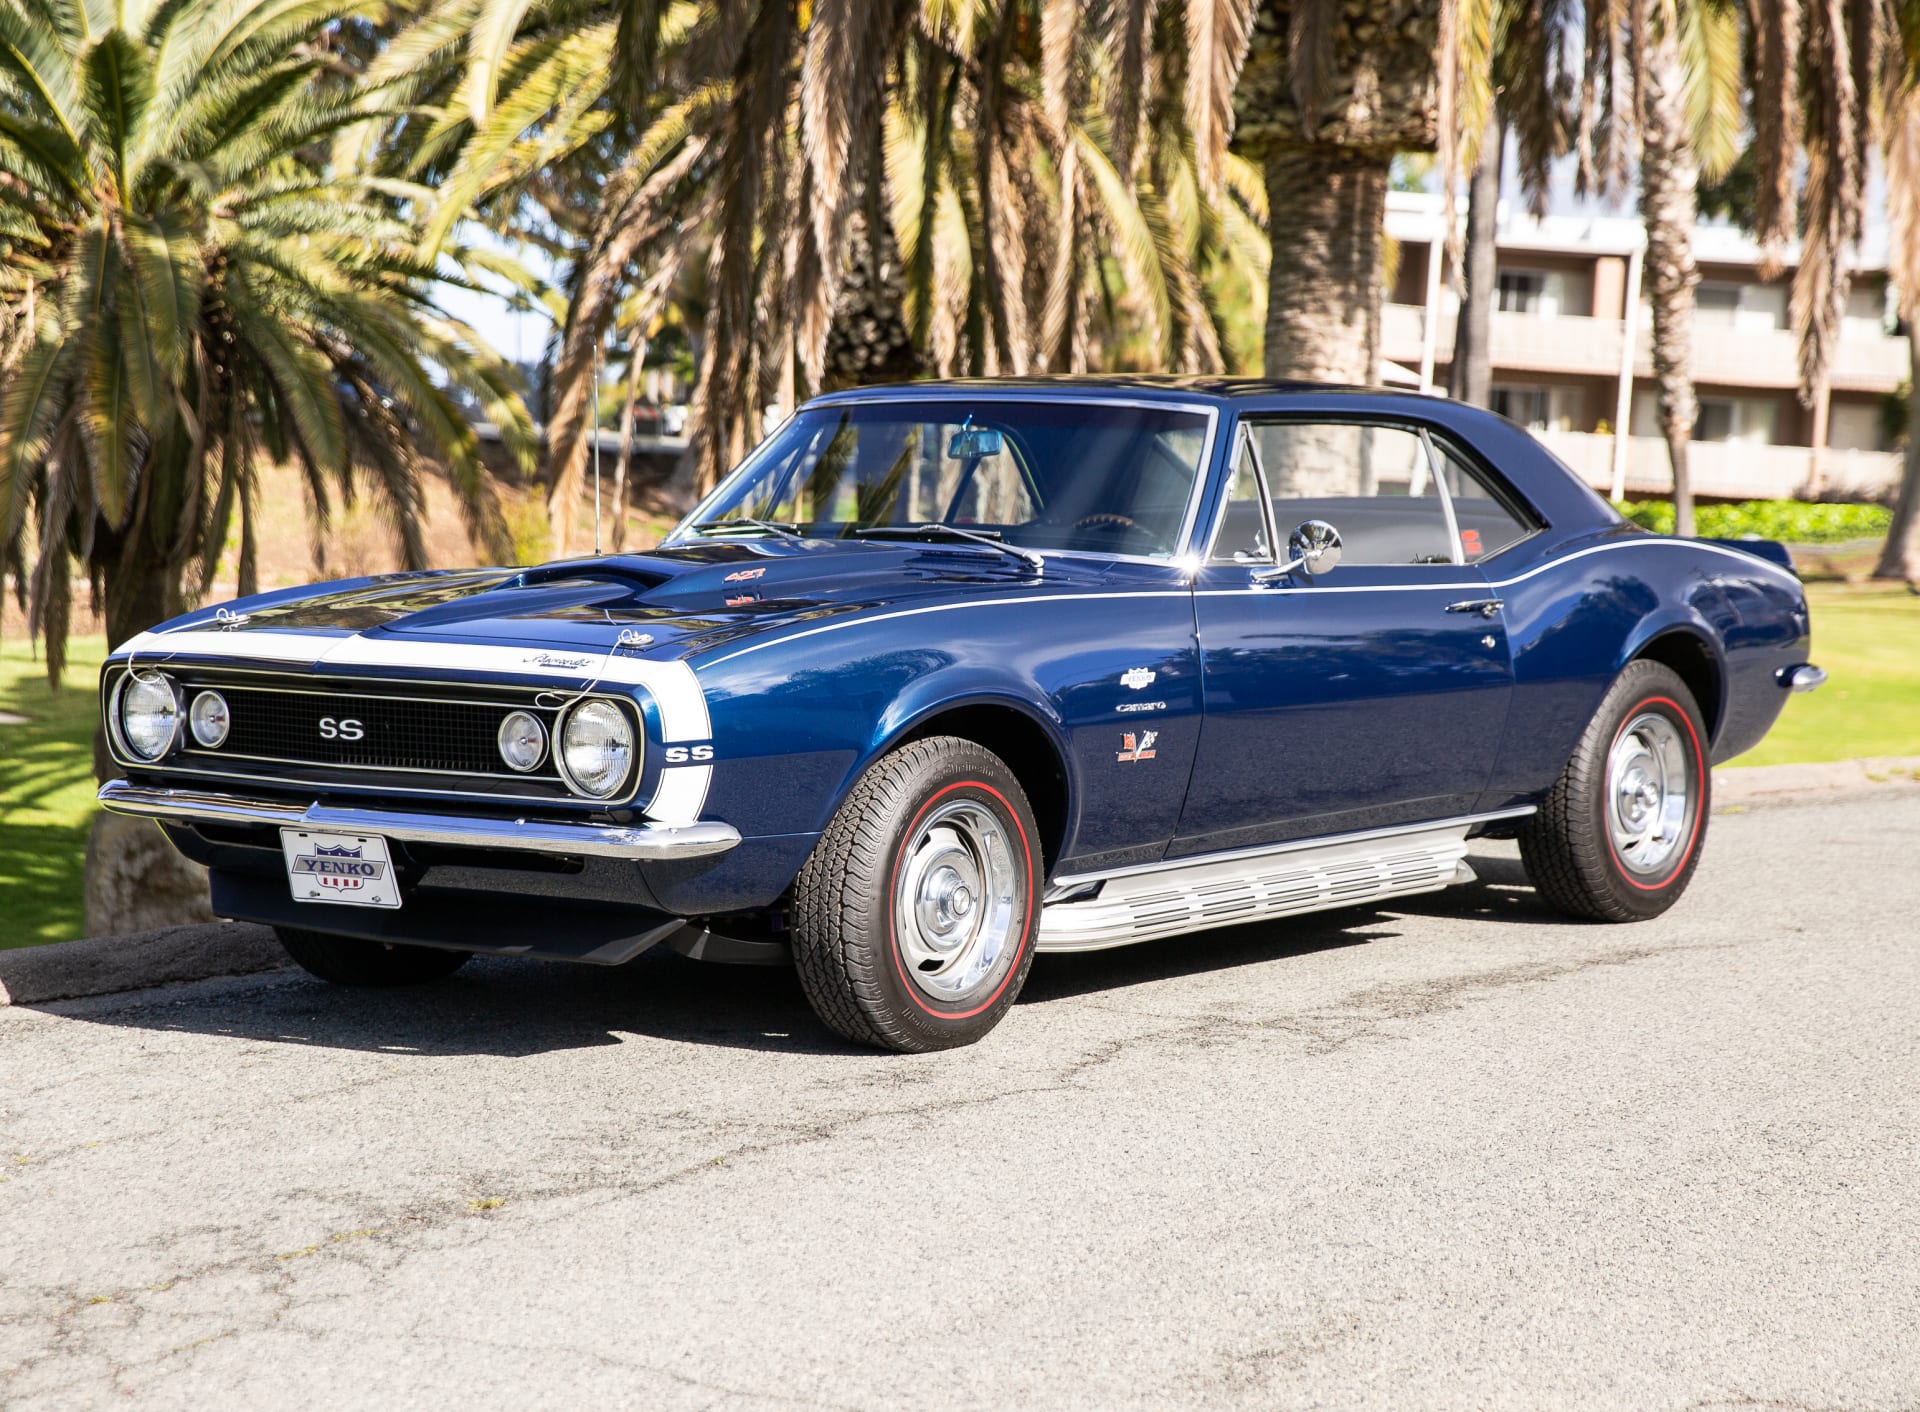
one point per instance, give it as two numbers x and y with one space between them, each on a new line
641 842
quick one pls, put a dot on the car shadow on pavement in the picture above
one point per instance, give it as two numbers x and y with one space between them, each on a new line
507 1008
495 1007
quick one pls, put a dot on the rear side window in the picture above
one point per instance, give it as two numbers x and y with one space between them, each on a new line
1375 484
1397 496
1488 520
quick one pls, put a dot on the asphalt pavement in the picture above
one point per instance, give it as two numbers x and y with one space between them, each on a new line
1452 1154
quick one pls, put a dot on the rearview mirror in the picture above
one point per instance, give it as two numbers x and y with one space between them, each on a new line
971 443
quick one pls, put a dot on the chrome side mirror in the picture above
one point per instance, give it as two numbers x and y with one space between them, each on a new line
1315 546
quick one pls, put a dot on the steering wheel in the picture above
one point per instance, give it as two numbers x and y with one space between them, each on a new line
1112 520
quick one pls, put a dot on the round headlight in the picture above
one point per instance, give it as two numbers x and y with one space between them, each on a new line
149 715
209 719
597 748
523 741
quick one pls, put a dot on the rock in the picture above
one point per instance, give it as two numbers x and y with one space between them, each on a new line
137 882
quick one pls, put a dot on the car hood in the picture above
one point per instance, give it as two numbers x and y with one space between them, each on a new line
683 600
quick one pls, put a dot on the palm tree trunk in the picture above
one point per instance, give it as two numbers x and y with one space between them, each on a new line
1669 204
1470 375
1326 207
1900 559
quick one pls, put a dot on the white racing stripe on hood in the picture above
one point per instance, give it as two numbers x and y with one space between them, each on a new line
683 705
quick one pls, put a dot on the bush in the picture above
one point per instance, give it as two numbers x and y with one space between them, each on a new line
532 534
1789 521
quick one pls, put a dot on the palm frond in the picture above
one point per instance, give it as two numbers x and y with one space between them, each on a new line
1217 35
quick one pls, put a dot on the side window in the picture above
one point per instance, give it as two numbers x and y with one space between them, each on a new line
1488 523
1372 483
1243 530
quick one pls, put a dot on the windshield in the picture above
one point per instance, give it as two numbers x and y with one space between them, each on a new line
1085 475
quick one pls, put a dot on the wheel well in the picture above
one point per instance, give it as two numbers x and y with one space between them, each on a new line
1028 751
1692 661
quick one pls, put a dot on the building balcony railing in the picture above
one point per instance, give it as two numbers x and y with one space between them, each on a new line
1732 469
1569 345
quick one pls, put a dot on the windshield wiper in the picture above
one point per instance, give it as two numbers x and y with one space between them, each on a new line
934 531
748 522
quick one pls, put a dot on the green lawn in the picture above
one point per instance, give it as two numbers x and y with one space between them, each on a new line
46 791
1867 636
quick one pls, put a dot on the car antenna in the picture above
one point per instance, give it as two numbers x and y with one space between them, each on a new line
596 448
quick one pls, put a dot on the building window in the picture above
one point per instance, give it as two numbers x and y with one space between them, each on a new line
1521 291
1717 303
1529 406
1716 420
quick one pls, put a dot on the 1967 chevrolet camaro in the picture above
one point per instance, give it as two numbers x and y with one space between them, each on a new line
948 674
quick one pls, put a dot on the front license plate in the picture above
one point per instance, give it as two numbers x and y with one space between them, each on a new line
352 869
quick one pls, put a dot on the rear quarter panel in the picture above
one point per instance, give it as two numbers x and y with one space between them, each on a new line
1579 609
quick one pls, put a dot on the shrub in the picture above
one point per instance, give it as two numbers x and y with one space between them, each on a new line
1789 521
532 534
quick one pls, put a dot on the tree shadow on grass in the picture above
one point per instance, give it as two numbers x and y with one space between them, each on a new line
46 783
42 883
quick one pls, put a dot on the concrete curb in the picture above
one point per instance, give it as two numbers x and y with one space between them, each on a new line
1740 785
104 965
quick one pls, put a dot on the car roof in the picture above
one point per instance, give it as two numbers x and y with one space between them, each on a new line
1170 387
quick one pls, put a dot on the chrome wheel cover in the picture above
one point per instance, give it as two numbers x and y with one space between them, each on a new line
956 902
1649 793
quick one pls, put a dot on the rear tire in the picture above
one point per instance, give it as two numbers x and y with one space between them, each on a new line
352 960
913 920
1619 836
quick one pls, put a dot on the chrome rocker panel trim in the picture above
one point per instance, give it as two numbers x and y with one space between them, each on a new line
1284 881
643 842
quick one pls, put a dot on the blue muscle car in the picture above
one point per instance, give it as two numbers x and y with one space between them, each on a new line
948 674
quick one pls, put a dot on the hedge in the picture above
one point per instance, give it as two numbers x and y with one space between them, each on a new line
1789 521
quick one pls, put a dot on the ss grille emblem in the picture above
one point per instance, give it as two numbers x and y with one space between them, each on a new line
331 729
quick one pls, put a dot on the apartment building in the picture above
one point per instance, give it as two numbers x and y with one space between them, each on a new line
1572 357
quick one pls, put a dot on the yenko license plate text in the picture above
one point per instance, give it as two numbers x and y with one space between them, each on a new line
348 869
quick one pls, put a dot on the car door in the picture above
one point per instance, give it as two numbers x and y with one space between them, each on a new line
1363 696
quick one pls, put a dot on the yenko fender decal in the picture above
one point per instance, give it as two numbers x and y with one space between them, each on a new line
682 790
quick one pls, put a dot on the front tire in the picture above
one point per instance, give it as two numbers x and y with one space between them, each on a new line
913 920
352 960
1619 836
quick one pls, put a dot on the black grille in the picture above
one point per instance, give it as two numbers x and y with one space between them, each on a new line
396 733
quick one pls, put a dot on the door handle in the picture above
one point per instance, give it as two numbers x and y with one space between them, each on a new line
1485 607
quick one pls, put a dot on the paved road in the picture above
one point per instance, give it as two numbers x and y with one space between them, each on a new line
1453 1156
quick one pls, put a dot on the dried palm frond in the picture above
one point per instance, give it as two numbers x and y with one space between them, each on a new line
1217 35
1777 134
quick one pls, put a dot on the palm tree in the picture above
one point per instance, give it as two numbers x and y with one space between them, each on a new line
1510 62
1829 85
1331 92
1900 558
1049 188
186 286
1682 110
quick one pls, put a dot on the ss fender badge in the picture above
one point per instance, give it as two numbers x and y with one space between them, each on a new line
1134 748
682 754
1137 678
